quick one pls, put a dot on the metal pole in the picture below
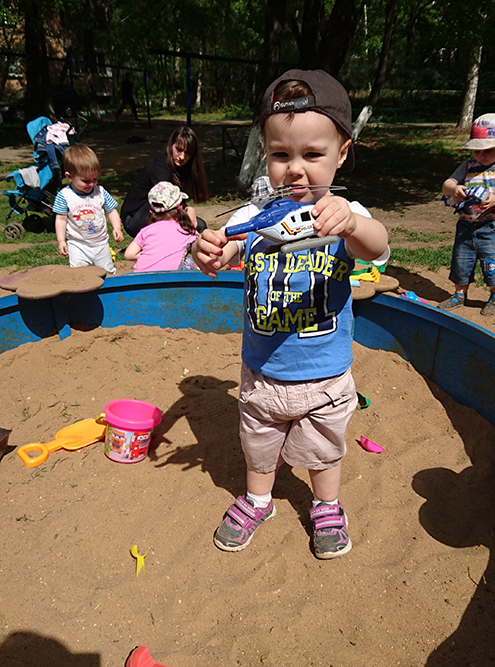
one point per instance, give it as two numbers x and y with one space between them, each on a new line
73 97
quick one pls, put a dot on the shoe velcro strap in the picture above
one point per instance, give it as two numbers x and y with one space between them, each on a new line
330 522
324 510
241 510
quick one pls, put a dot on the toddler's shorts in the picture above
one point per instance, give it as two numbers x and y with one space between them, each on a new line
81 254
301 423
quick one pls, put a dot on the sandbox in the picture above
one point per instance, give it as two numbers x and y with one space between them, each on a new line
414 590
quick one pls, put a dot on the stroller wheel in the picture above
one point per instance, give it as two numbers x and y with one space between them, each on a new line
13 231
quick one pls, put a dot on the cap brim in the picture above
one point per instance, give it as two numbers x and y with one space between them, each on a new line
480 144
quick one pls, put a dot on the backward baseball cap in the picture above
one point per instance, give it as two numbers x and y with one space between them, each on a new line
328 97
482 133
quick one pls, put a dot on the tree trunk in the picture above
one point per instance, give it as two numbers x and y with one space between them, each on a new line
381 71
175 76
470 89
337 35
38 97
254 160
200 80
90 63
364 116
308 36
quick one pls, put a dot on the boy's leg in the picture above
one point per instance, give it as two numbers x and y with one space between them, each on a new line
330 536
79 255
326 483
489 308
103 258
486 250
456 300
260 483
464 257
247 513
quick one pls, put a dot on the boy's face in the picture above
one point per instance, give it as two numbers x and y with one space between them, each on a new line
485 157
306 151
83 184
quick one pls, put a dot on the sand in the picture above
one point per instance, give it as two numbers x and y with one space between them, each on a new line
416 589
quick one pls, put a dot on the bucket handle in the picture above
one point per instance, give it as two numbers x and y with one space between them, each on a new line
101 419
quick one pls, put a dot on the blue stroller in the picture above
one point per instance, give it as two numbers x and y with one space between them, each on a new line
36 186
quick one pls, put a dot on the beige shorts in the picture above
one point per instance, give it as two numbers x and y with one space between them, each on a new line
302 423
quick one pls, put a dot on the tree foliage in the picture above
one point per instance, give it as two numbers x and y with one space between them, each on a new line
430 46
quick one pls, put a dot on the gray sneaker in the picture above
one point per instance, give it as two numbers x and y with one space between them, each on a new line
237 529
330 536
489 308
452 302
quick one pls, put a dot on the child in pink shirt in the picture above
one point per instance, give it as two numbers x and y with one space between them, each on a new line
162 245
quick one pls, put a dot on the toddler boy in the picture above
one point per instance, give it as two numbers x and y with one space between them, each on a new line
297 393
80 208
474 238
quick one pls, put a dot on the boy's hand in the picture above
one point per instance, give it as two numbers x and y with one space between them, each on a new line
333 216
212 250
62 248
489 203
118 235
459 193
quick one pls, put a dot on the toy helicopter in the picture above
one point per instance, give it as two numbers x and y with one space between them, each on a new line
471 206
288 224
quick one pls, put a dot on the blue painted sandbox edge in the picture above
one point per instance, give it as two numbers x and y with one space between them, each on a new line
456 355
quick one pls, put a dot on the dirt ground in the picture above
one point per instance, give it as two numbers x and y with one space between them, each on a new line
417 589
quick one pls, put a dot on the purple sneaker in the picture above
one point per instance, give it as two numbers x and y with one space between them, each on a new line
330 536
242 519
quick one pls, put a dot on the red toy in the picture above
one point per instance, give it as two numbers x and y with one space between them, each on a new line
140 657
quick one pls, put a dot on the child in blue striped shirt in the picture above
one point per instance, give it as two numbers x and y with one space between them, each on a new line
81 209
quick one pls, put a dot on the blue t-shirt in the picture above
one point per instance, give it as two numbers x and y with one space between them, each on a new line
297 309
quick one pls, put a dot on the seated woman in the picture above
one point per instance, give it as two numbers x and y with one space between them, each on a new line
181 165
164 242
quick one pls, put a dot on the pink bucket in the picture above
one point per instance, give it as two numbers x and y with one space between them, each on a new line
130 424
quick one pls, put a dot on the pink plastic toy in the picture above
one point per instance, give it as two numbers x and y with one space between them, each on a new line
370 446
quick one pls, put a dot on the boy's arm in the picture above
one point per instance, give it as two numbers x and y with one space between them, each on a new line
212 250
366 237
451 188
60 229
114 219
132 251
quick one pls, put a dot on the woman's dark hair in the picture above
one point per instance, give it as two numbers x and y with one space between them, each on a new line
178 214
191 174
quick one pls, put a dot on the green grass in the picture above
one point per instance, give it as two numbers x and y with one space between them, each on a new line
400 167
398 234
425 257
396 167
35 255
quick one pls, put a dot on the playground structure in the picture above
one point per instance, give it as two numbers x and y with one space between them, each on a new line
425 336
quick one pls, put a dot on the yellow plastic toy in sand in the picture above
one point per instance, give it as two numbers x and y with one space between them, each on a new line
139 559
372 276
